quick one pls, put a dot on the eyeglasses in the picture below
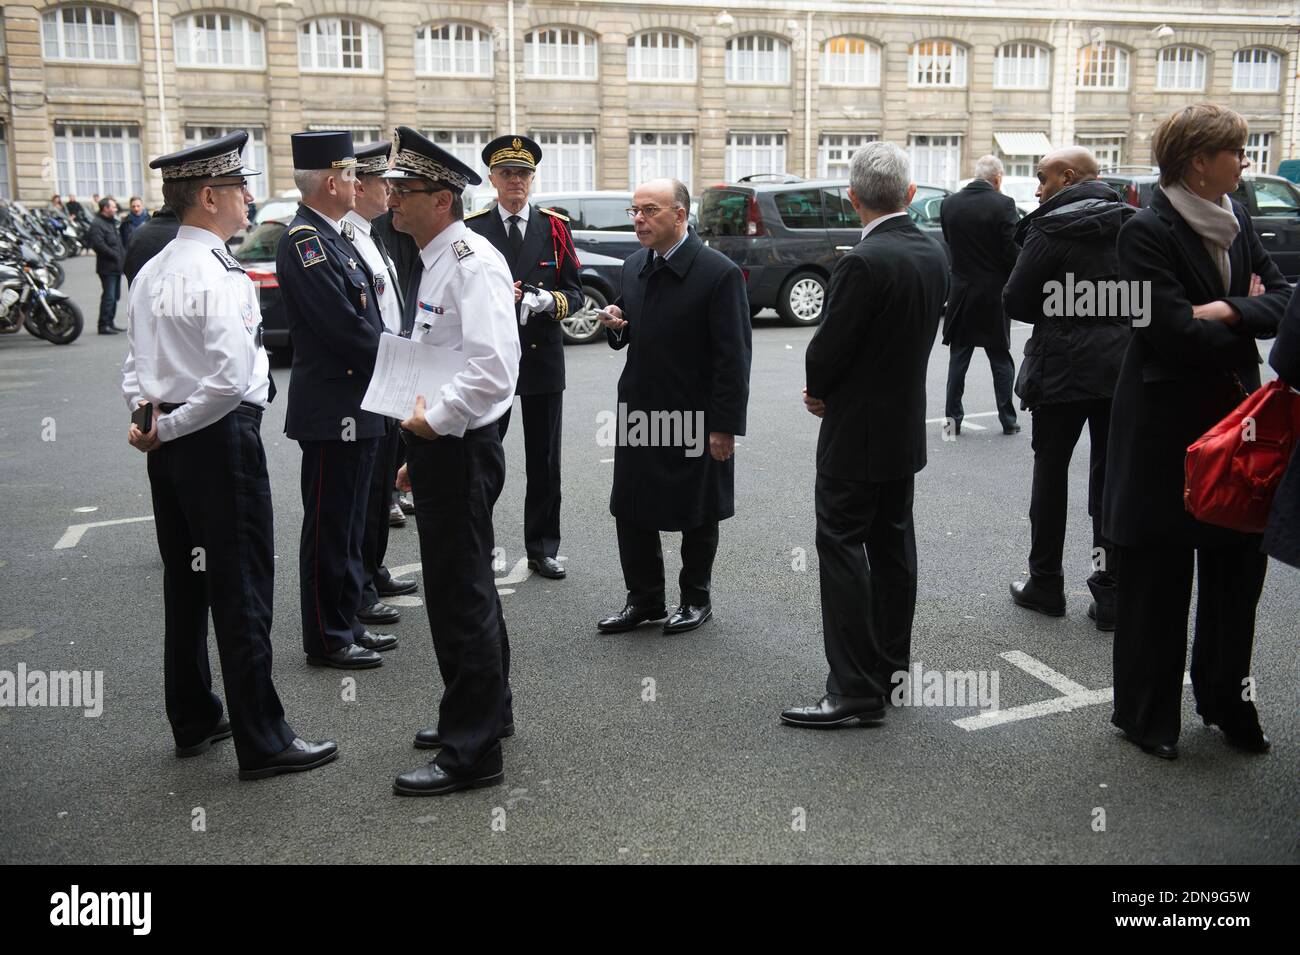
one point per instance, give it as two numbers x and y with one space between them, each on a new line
403 191
230 185
648 211
513 172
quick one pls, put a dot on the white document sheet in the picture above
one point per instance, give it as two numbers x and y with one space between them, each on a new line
405 369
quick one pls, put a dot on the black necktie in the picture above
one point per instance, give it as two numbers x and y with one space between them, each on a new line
515 236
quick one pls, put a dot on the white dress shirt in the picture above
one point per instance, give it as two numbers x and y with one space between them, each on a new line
384 277
544 301
192 336
866 229
467 303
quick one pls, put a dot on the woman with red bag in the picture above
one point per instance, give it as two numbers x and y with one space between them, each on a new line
1210 290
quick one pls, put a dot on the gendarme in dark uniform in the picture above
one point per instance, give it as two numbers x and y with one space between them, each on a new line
195 355
331 306
538 247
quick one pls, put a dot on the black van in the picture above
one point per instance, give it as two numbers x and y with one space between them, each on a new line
787 236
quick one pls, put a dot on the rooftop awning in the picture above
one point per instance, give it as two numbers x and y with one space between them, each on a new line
1023 144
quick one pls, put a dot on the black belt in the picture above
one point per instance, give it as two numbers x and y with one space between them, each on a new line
244 407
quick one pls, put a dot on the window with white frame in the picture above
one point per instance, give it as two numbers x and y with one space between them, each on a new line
569 161
89 33
749 154
560 53
1022 66
756 58
1108 148
453 49
465 144
98 159
658 156
937 63
1256 70
1021 165
1180 68
1259 149
836 149
254 155
5 192
850 61
219 39
340 45
1103 67
936 160
361 135
660 56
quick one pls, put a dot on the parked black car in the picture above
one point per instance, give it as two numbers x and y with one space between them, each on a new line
787 236
1273 204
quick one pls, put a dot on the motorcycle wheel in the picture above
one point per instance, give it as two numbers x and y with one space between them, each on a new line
59 249
33 326
56 274
67 326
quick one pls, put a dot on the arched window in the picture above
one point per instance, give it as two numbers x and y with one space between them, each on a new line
94 34
1103 67
937 63
453 49
219 39
1180 68
560 53
1256 69
661 55
756 58
1022 66
850 61
340 45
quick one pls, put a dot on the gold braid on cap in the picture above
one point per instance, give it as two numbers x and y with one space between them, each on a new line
368 167
513 153
344 163
408 160
223 165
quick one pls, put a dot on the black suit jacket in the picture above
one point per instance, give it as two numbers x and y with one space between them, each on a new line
545 260
1176 381
979 225
868 359
332 311
107 243
148 240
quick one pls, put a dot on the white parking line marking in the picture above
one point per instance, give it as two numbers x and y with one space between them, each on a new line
518 574
964 418
1039 669
72 536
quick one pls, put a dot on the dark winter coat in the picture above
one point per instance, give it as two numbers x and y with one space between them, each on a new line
978 225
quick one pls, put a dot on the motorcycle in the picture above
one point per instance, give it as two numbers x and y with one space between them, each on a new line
28 299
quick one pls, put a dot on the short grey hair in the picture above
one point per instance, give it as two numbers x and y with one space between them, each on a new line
879 174
310 181
988 167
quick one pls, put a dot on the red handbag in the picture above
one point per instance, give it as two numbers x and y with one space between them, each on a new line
1232 471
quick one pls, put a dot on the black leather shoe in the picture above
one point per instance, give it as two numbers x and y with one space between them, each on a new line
1248 742
832 711
1163 750
378 642
1011 429
1105 622
109 330
629 618
219 732
547 567
394 587
351 657
380 614
427 738
298 757
1034 596
396 516
433 780
687 617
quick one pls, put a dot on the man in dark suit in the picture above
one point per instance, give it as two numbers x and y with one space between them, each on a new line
979 224
684 319
866 380
537 246
106 240
150 239
332 309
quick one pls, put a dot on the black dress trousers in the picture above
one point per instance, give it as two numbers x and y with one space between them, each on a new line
543 434
642 556
331 572
866 549
211 491
374 543
1153 597
456 483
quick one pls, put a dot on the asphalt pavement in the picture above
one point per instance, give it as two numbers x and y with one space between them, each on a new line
630 748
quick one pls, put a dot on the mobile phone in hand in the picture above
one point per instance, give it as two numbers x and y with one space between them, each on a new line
142 417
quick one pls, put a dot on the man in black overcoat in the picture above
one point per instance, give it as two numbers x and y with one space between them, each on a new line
979 224
684 318
866 381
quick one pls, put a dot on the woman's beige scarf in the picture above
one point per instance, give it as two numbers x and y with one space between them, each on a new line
1214 222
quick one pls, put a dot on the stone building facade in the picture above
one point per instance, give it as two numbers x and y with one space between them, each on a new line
617 91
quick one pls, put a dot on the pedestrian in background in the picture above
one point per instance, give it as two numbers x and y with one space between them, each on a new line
150 239
110 259
979 224
133 220
1068 373
1192 358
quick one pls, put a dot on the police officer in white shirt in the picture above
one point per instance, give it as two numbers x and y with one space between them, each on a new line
371 203
456 467
196 365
